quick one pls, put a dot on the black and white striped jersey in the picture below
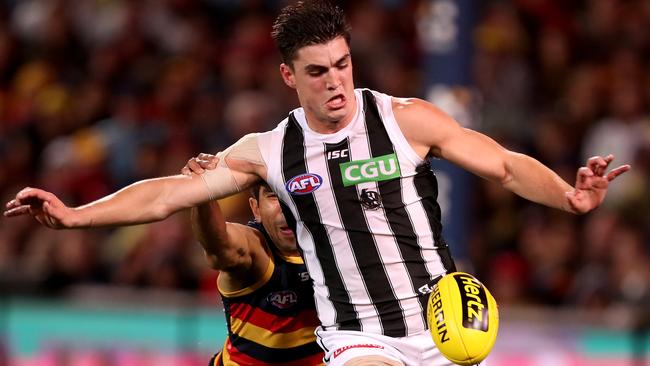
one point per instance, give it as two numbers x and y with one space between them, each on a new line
363 206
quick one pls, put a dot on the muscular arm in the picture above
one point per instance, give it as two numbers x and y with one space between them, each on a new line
148 200
433 133
229 247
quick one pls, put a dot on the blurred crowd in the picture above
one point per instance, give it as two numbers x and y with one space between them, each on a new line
97 94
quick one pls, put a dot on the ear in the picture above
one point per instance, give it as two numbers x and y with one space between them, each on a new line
255 207
288 75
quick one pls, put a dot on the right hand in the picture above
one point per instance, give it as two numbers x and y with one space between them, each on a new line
200 164
43 206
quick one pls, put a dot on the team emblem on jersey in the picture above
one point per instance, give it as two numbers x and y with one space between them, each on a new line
283 299
377 169
370 200
304 183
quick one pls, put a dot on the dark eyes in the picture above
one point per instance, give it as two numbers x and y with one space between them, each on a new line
319 71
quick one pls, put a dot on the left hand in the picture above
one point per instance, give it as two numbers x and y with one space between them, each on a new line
592 182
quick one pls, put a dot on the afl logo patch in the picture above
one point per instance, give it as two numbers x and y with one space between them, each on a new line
283 299
304 183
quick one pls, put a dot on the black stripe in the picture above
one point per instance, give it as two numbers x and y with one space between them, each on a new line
273 355
426 186
291 221
294 164
394 207
364 247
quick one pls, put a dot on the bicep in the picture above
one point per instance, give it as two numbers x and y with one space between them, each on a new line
431 132
476 153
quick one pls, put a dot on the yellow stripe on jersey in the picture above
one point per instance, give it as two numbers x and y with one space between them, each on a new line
225 356
294 259
272 339
247 290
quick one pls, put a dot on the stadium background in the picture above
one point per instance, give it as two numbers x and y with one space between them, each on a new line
96 94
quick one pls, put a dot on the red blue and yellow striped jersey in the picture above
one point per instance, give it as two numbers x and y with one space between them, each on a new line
272 322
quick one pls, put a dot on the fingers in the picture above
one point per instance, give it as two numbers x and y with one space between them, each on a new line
208 161
617 171
204 156
195 166
583 175
598 164
17 211
33 196
186 170
199 164
26 201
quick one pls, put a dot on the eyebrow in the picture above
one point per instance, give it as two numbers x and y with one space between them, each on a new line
316 67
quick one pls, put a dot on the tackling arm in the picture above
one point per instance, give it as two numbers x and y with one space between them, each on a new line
229 247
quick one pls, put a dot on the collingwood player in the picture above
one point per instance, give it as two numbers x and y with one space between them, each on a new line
350 170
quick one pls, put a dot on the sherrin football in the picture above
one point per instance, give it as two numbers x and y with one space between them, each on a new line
463 318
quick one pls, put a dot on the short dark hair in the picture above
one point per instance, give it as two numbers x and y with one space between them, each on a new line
255 189
307 23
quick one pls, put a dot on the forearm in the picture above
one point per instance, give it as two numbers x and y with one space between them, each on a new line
141 202
209 226
226 244
534 181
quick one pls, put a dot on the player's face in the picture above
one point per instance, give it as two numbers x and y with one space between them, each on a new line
322 77
267 211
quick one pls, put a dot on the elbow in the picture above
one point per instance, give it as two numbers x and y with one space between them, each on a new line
228 260
159 213
506 174
506 178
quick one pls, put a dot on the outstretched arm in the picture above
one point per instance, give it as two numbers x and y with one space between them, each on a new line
443 137
141 202
145 201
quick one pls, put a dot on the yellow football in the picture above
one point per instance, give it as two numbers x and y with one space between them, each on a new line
463 318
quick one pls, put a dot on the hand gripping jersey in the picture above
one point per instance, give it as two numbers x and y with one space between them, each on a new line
363 206
273 321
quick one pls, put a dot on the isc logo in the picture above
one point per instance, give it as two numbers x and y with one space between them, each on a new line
337 154
304 183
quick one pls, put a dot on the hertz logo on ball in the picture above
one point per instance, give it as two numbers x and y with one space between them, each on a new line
474 300
463 318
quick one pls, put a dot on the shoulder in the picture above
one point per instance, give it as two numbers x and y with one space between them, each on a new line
424 125
407 109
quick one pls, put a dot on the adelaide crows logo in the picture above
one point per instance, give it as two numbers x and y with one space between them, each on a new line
370 200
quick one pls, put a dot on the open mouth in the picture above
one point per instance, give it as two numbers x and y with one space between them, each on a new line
286 230
336 102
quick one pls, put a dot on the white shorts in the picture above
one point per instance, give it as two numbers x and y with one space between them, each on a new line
342 345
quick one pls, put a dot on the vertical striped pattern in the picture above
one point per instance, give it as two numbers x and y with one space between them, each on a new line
364 247
391 193
367 262
293 164
427 188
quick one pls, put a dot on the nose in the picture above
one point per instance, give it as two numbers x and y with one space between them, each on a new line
333 81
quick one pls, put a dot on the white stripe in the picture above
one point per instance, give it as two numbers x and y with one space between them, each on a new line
385 240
